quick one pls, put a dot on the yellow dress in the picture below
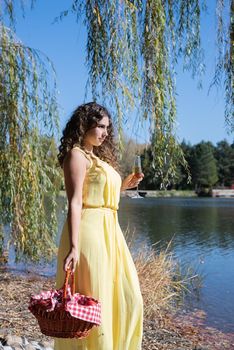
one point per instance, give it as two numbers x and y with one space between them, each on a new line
105 268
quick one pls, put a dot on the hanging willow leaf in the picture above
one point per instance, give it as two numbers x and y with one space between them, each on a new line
28 110
224 70
7 10
132 51
229 68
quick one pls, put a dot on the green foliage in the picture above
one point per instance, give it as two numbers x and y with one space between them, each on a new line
204 171
49 161
132 51
209 166
181 182
150 182
225 163
224 71
28 110
152 178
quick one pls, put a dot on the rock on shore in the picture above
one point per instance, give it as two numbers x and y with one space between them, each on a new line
14 342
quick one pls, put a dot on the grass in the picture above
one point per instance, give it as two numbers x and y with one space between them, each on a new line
163 281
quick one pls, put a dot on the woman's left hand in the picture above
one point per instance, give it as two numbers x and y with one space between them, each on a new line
131 181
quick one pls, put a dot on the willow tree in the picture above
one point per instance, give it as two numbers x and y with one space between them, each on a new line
28 111
133 48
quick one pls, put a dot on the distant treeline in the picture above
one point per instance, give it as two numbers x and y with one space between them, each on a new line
210 166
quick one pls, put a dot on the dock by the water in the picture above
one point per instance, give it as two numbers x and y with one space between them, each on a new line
223 193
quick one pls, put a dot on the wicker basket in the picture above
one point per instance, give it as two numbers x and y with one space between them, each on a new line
55 316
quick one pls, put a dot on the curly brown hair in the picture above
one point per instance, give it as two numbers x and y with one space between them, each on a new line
85 117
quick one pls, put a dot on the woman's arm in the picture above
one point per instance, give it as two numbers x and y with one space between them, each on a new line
75 165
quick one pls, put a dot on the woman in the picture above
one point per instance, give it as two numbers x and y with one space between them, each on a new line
92 241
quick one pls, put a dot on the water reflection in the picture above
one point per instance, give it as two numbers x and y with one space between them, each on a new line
190 221
203 237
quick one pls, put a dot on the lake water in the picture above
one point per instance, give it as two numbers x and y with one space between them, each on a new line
203 238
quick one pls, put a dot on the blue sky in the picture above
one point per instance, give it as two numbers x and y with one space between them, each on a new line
200 116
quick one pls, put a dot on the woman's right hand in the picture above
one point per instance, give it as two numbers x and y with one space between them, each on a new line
71 259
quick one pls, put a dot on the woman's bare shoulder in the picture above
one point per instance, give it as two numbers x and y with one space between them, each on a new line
76 157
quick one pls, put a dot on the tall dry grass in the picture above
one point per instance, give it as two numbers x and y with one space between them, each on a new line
163 281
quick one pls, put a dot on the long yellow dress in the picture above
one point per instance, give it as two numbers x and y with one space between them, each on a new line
105 268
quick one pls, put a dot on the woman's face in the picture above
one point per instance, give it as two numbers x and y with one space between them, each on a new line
96 135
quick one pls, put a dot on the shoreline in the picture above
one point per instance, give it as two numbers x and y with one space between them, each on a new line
153 193
160 193
170 332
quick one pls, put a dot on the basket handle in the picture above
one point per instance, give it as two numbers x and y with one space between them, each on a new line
68 274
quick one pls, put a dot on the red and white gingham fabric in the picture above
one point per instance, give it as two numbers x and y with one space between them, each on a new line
78 305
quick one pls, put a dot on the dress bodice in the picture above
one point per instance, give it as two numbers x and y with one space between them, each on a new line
102 184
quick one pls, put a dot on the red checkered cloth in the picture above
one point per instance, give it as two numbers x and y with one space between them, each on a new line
78 305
